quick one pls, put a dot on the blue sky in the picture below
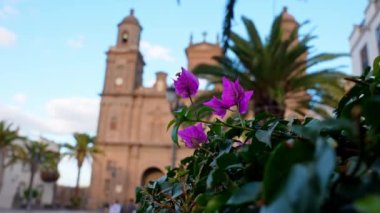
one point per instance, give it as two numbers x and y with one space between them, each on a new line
52 60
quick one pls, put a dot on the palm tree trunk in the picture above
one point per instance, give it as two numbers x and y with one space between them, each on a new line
264 103
31 180
77 185
2 166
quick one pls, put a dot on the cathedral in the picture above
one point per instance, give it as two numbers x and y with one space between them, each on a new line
132 121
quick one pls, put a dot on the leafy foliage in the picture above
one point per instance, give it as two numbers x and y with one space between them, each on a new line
276 69
84 148
267 164
7 137
7 134
37 156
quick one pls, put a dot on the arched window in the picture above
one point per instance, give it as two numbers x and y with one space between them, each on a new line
124 37
150 174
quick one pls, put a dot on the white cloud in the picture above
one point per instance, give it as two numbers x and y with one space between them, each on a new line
149 82
68 173
7 37
20 98
28 123
77 42
156 52
69 115
7 11
64 116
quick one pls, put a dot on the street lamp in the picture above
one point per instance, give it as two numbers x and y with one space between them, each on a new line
174 106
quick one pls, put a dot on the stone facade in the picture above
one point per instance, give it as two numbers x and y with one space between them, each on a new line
133 119
202 53
365 38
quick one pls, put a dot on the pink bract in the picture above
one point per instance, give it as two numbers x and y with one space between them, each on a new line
186 84
218 106
233 95
193 136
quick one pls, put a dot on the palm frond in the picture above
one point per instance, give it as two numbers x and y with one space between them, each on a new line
326 76
205 70
277 67
253 34
83 148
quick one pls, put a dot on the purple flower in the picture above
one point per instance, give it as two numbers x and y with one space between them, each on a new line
193 136
234 94
186 84
218 106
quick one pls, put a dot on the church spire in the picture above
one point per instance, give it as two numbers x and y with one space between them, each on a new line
125 62
288 23
129 32
204 34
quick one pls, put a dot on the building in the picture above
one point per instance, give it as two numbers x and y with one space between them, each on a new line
133 119
365 38
16 180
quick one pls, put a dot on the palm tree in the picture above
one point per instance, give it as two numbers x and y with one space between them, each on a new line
276 70
36 155
84 148
7 136
229 16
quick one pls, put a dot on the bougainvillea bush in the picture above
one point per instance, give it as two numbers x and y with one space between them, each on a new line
267 164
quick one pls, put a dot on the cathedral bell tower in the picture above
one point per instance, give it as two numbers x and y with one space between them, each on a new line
124 60
123 77
132 123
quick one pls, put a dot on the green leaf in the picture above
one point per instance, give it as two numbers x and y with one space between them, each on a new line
215 203
139 195
222 152
234 132
216 177
166 188
351 99
265 135
174 134
376 67
324 163
203 110
280 163
247 193
307 182
226 159
201 199
262 115
216 128
372 112
176 190
298 194
188 115
369 204
218 174
352 163
233 120
170 124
